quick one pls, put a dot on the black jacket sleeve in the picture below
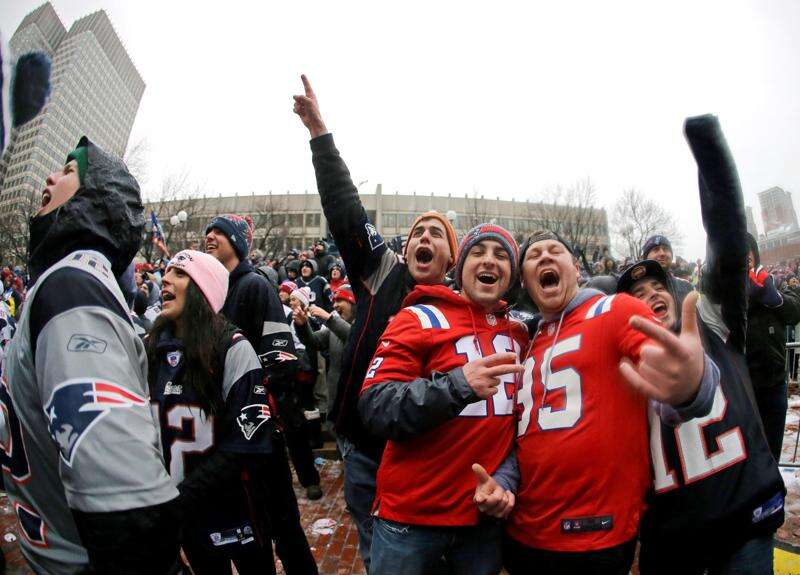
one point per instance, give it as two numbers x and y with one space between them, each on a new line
722 207
275 345
134 541
400 410
359 243
789 311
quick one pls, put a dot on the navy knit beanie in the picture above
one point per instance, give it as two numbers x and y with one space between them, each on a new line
653 242
487 232
238 230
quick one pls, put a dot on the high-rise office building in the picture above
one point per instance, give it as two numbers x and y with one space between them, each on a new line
96 91
751 221
777 210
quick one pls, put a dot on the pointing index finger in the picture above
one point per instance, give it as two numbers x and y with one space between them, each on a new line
503 369
500 358
307 86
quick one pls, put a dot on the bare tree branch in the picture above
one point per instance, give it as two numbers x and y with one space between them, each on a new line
269 222
136 159
15 231
572 212
177 195
635 218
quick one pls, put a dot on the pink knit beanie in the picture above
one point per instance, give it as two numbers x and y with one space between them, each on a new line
206 271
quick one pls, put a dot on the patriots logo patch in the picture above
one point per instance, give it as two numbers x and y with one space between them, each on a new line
375 239
251 418
76 406
276 356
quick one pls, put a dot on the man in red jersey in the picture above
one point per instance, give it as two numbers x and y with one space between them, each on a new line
441 390
582 443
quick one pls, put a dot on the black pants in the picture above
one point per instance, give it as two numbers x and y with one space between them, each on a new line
299 444
291 544
251 559
295 429
520 559
772 405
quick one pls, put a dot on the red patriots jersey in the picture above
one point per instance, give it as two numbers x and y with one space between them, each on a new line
428 479
582 442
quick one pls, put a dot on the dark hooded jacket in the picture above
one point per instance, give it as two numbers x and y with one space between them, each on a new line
252 305
294 266
105 214
766 331
320 290
380 281
324 259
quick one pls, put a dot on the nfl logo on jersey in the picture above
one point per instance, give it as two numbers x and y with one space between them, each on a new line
75 407
251 418
491 319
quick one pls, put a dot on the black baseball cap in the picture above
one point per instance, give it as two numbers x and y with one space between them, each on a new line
640 270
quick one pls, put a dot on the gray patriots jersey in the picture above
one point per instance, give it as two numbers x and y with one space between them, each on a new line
76 430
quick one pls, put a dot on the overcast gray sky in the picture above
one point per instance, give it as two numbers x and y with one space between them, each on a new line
447 97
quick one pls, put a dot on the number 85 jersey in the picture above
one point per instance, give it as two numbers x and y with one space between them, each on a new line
582 442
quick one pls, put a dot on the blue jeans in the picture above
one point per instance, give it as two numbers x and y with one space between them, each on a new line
360 475
753 557
402 549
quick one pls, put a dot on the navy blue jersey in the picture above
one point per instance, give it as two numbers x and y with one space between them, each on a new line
716 483
714 476
190 437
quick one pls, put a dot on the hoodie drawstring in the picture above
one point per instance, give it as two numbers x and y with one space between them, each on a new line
547 359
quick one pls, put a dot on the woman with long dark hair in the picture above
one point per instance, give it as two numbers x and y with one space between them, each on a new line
207 391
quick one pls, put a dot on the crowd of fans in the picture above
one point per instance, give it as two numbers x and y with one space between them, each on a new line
496 405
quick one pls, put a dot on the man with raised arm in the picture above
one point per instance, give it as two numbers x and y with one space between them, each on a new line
380 279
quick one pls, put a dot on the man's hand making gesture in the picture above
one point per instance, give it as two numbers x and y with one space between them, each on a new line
308 109
490 498
483 374
670 369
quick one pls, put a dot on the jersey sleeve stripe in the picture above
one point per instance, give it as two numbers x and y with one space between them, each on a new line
593 308
607 303
271 327
423 318
441 321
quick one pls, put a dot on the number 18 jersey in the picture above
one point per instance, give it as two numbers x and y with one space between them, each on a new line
582 443
428 479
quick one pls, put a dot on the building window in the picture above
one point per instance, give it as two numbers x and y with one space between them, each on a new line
405 220
295 220
312 220
390 220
